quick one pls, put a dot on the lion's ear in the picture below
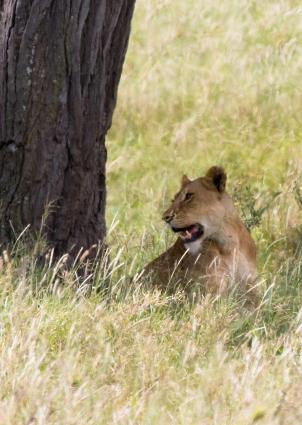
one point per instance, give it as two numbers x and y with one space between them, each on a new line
218 177
185 180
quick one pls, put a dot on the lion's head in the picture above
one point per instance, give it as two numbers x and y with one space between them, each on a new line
198 210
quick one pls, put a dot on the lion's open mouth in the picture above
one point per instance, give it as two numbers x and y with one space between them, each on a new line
190 233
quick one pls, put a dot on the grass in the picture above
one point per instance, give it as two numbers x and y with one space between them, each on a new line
205 82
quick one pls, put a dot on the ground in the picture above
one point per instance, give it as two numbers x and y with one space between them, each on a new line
205 83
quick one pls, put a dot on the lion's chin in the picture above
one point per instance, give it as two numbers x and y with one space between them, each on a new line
190 233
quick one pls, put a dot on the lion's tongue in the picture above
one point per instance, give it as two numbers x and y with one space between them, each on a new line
188 234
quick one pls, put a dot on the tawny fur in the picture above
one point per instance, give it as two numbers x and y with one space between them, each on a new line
224 256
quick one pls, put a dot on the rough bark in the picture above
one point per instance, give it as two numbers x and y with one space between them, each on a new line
60 65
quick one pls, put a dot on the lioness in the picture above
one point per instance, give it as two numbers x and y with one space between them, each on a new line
213 247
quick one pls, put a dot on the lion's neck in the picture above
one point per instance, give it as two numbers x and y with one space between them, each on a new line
194 248
221 240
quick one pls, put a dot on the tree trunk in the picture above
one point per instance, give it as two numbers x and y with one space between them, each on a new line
60 65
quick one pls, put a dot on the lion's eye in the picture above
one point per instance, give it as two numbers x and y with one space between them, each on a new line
188 196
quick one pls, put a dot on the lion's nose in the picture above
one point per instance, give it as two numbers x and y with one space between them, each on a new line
168 217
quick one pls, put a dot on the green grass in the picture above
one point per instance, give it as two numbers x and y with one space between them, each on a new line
204 83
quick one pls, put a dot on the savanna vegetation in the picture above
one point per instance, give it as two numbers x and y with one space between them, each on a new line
205 82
